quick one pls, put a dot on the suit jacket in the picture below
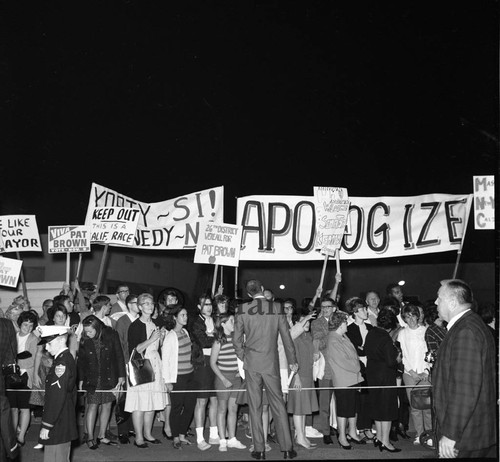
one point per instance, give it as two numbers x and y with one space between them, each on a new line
464 384
256 329
8 347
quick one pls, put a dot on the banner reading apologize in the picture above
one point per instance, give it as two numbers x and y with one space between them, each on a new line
167 225
283 227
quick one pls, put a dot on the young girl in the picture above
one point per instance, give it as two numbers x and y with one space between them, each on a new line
225 366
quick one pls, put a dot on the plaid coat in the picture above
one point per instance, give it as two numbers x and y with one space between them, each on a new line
464 384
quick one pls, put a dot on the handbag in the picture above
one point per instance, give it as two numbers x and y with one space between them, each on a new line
13 377
420 398
139 370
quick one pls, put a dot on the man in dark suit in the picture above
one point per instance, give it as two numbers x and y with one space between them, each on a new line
464 382
9 448
257 325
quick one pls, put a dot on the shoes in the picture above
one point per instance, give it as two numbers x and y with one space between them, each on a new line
123 439
271 439
214 440
366 437
177 445
164 433
327 439
383 447
233 443
258 455
354 440
38 446
223 445
344 447
311 432
203 445
377 443
107 442
141 446
91 444
289 454
312 446
267 448
186 442
400 430
416 440
154 441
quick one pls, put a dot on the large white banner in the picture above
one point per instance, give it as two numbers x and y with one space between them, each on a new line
167 225
283 227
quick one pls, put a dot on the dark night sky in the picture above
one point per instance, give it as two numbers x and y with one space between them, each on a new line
159 99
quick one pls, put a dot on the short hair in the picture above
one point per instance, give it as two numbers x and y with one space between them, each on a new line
430 313
57 306
47 303
121 287
328 299
487 312
371 292
27 316
460 290
387 319
391 286
203 298
410 309
336 320
100 301
129 298
253 287
61 298
353 304
143 297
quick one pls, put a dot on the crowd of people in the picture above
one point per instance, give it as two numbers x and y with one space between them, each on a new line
330 368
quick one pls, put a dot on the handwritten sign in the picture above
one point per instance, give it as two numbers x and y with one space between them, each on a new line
114 225
332 210
9 271
170 224
69 238
484 202
219 244
20 233
281 228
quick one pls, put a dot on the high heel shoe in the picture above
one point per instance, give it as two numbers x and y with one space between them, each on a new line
91 444
164 433
377 443
344 447
400 430
383 447
312 446
354 440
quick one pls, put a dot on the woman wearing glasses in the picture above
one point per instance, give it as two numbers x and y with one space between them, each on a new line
144 400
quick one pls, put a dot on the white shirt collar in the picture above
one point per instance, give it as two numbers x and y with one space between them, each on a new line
455 318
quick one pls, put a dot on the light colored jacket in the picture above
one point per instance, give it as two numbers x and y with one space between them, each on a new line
170 356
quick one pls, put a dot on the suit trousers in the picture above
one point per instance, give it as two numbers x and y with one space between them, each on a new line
57 452
255 382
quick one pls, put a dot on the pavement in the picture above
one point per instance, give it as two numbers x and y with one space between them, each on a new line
165 451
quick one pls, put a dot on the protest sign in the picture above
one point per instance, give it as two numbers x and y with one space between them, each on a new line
484 202
332 210
170 224
20 233
114 226
69 238
218 244
9 271
284 227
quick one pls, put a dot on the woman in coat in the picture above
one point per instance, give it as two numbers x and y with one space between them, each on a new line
381 370
100 367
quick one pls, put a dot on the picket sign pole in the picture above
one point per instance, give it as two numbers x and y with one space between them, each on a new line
337 260
236 282
459 251
21 273
77 276
67 266
325 261
101 268
214 280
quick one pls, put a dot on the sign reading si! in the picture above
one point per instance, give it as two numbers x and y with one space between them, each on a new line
284 227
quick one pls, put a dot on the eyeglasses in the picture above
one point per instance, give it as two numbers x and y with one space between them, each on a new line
123 291
327 306
147 304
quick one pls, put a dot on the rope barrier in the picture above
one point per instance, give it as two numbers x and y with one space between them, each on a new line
230 390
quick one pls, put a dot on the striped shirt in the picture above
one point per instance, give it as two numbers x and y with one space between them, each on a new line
184 365
227 361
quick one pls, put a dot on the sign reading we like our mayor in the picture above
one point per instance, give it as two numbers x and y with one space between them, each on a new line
19 233
165 225
284 227
69 238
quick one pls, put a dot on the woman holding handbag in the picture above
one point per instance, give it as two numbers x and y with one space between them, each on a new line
27 346
100 367
144 400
